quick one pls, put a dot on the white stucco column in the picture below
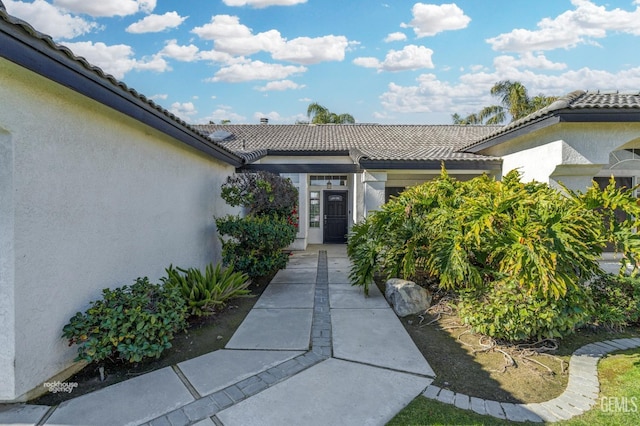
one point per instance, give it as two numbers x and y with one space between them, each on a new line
374 184
577 177
7 270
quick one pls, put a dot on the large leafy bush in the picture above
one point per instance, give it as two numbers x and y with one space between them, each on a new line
129 323
616 301
508 312
205 292
253 243
500 241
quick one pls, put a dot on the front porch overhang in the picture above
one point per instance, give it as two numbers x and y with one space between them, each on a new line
431 164
302 168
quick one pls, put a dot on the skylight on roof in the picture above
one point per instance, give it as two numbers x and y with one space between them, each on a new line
220 135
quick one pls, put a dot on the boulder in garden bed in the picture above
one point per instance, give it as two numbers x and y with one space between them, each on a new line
407 297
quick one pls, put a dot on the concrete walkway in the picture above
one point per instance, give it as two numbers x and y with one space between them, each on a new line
312 351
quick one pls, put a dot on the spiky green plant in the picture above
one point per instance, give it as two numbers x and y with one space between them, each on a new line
205 292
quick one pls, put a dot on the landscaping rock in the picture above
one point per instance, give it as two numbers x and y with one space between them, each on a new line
406 297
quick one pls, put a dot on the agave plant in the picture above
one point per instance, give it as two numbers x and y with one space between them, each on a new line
204 292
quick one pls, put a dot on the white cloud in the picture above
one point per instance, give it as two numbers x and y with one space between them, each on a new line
183 110
221 57
258 4
367 62
49 20
181 53
255 70
272 116
306 50
117 59
107 7
431 19
411 57
232 37
223 112
398 36
156 63
527 60
280 85
581 25
156 23
471 92
159 96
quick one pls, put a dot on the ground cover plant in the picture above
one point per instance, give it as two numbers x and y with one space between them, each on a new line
253 243
203 334
518 255
129 323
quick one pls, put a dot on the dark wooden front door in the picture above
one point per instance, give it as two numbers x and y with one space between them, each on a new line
335 216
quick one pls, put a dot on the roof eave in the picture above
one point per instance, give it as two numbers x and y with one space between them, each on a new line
40 56
449 164
513 133
578 115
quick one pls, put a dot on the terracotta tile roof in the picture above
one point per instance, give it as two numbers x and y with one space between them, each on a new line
574 101
371 141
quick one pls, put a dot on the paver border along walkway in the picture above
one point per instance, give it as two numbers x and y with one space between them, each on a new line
580 395
212 404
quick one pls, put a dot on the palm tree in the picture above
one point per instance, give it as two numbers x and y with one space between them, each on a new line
514 99
493 114
322 115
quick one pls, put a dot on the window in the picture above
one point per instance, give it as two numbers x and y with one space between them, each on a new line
392 191
314 209
322 180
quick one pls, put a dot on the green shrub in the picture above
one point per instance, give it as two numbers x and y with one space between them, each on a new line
510 313
204 292
256 243
475 236
262 193
129 323
253 244
616 301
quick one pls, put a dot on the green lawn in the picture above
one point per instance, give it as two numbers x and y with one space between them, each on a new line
619 402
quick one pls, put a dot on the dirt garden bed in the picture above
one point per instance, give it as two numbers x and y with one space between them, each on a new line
203 335
468 363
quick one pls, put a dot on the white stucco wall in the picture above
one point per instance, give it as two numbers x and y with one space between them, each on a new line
571 153
373 188
98 200
7 260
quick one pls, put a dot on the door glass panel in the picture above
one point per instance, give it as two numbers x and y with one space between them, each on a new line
314 209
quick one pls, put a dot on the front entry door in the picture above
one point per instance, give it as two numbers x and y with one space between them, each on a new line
335 217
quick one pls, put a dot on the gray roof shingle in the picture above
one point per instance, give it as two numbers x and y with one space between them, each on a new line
370 141
574 101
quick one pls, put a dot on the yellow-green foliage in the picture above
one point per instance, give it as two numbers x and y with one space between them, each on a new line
482 235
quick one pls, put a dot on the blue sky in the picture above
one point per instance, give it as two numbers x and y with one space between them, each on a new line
390 62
